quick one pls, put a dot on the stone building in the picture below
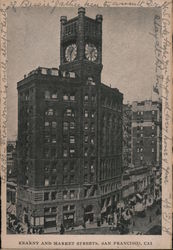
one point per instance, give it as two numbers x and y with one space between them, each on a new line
147 133
11 161
127 136
69 134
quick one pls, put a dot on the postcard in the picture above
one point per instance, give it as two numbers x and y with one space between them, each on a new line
86 124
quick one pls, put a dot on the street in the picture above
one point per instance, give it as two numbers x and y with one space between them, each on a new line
137 225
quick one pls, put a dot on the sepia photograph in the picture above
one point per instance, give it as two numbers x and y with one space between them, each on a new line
84 155
85 101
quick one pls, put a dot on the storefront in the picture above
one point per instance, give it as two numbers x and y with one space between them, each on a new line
89 214
68 220
49 221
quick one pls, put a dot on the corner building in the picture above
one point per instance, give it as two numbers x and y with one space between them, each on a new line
69 134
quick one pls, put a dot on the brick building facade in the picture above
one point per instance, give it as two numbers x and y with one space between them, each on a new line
147 133
69 149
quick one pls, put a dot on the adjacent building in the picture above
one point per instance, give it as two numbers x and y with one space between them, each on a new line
127 136
11 161
69 153
147 133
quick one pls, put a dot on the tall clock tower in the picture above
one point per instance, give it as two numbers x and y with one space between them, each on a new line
81 46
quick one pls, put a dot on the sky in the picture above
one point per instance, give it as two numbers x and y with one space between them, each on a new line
128 54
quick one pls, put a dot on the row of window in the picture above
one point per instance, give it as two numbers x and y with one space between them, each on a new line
142 135
52 139
67 97
69 112
141 142
141 150
141 127
142 112
53 195
68 208
70 29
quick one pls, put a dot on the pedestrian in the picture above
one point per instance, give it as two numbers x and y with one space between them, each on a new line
62 229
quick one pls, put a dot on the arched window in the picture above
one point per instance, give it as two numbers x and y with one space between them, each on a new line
49 112
69 112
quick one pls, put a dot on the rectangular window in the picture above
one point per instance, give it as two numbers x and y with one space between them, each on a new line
72 125
152 127
53 195
49 112
86 126
72 194
141 157
92 168
65 97
53 209
92 114
85 178
46 124
72 97
54 96
72 152
46 210
72 166
86 113
47 94
64 194
92 128
53 124
46 152
153 112
86 97
65 126
93 98
46 168
141 149
92 177
72 139
86 138
53 180
46 196
54 140
92 141
65 179
86 152
152 150
138 150
72 207
65 208
46 138
71 179
65 153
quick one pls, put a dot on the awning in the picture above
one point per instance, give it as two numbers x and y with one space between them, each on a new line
50 219
103 210
139 196
110 203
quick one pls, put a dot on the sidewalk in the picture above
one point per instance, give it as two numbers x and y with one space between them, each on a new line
141 225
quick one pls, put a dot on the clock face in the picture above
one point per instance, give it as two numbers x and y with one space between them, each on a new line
71 52
91 52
